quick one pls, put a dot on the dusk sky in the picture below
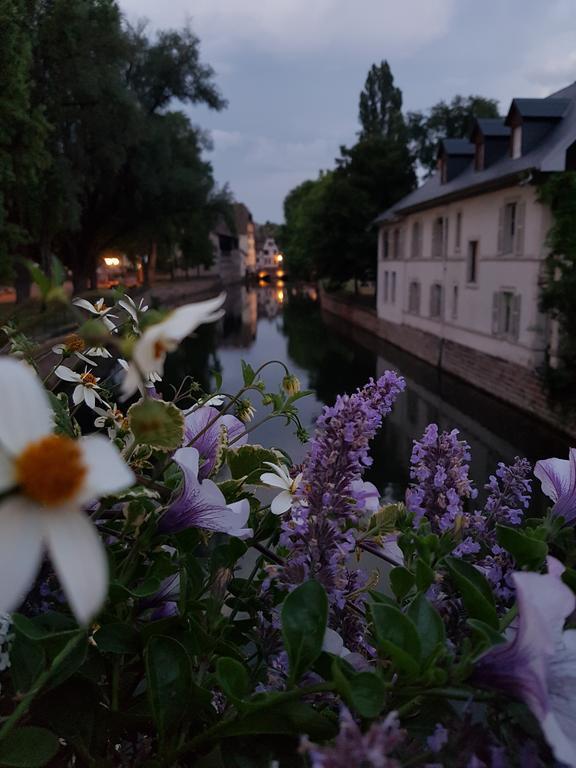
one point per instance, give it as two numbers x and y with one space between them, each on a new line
292 71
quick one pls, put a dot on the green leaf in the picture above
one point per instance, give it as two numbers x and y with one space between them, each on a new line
248 373
475 590
569 578
117 638
527 551
304 619
367 694
424 575
291 718
248 461
29 747
169 678
38 276
63 424
157 424
428 623
27 661
36 629
488 634
401 581
233 678
397 636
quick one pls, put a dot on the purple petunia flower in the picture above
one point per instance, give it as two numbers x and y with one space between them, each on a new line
353 748
202 504
164 603
558 479
539 664
209 432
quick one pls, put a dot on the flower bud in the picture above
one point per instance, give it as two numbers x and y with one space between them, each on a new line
245 411
290 384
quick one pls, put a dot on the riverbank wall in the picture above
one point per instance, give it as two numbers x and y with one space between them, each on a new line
510 383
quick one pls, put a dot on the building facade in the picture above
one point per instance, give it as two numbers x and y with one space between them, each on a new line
461 258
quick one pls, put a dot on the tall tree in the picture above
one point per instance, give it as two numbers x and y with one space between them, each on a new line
380 107
445 120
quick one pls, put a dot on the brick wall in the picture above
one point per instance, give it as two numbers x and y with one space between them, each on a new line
514 384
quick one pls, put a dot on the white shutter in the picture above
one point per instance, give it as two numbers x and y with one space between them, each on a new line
519 234
445 233
501 231
516 304
495 313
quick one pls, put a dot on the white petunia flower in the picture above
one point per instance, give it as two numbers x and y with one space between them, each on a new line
280 478
86 387
100 309
152 347
51 478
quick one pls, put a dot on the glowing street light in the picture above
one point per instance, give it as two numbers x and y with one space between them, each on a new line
112 261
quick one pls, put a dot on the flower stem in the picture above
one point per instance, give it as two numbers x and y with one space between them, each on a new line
25 702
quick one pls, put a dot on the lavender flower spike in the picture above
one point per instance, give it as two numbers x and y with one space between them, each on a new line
354 748
539 664
202 504
558 479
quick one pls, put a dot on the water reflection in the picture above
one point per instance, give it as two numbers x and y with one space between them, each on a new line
284 323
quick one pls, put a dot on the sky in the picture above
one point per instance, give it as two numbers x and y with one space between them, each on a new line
292 71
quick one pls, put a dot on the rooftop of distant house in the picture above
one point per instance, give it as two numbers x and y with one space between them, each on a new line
536 136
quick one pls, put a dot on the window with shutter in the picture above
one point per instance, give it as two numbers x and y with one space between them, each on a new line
495 312
519 233
393 288
515 324
386 281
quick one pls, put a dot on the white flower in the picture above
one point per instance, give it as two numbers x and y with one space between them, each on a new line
151 348
86 387
98 352
98 308
72 345
128 304
112 418
280 478
152 378
51 478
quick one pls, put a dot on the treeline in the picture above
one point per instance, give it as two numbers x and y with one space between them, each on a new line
92 153
328 228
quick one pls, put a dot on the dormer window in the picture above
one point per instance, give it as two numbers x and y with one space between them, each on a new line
517 141
442 170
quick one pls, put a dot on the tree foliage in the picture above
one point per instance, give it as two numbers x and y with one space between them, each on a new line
559 287
328 229
124 168
452 119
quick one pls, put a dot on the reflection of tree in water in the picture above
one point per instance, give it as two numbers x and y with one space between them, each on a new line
196 357
334 365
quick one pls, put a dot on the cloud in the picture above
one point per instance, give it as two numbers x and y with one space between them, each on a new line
305 26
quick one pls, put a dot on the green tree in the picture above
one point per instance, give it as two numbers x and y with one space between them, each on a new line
559 287
22 131
453 120
380 106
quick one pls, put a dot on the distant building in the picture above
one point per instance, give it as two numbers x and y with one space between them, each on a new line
269 259
234 247
461 258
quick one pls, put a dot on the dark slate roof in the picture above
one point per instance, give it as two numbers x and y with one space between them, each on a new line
547 156
457 147
539 108
491 126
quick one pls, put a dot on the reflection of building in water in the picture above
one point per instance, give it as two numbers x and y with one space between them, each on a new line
270 299
239 322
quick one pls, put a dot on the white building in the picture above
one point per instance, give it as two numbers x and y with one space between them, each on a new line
461 257
269 259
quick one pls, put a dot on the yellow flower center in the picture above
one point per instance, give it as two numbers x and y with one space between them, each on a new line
51 471
74 343
88 379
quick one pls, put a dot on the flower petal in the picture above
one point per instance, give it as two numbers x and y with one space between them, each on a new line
25 413
66 374
85 305
79 558
332 642
188 459
107 470
270 478
186 319
20 550
281 503
89 397
554 476
7 479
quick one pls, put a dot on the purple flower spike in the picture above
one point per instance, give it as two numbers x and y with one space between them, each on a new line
209 440
354 748
558 479
202 504
539 664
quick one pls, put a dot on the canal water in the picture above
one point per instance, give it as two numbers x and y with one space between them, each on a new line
285 322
